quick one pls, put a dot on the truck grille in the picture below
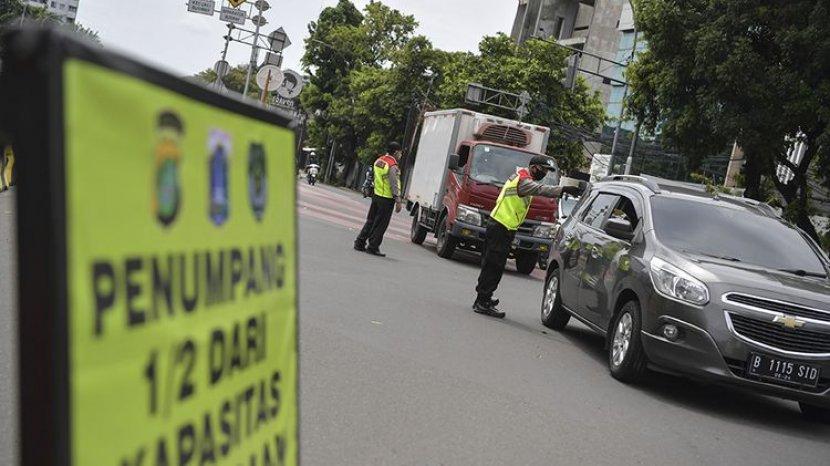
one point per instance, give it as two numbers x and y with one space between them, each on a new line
504 134
778 306
526 229
773 335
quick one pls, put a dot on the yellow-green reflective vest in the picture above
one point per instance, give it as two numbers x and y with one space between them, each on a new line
381 172
511 210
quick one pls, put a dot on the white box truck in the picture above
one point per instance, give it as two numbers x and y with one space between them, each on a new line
463 159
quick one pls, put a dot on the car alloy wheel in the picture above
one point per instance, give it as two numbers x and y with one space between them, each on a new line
622 340
550 295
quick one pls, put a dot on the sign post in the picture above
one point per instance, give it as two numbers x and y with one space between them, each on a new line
158 286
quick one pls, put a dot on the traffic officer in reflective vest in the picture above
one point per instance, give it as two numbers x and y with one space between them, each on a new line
509 213
387 196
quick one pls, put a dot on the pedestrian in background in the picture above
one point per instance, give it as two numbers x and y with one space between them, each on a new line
386 197
510 212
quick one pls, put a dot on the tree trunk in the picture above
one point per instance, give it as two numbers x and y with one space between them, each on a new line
752 175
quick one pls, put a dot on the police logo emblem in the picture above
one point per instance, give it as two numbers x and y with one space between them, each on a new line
219 147
257 180
168 154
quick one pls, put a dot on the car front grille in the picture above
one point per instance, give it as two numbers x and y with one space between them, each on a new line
777 306
738 367
776 336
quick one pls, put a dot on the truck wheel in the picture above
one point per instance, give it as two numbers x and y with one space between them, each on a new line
417 234
526 262
445 244
815 413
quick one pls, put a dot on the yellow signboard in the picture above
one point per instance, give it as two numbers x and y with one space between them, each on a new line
181 277
236 3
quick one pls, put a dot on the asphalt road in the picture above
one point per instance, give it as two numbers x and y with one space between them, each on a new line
397 369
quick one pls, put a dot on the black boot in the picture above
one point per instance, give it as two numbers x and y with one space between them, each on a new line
359 246
487 308
375 252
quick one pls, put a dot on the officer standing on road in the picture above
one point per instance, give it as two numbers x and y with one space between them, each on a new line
386 197
509 213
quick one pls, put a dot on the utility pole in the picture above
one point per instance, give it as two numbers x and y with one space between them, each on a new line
622 110
630 160
254 53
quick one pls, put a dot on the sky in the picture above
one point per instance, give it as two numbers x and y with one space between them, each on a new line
164 33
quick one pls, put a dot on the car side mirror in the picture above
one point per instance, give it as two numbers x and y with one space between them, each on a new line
454 162
619 228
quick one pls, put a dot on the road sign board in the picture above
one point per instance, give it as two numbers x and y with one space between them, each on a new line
273 59
259 20
205 7
236 3
292 85
279 40
172 310
221 68
269 76
232 15
262 5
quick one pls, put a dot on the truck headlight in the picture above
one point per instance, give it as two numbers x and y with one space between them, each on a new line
676 284
468 215
545 230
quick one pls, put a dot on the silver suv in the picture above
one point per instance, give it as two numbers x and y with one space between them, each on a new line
709 286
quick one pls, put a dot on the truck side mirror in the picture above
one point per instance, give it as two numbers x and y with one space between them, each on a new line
454 162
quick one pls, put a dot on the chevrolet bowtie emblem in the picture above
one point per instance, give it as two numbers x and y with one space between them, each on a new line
789 322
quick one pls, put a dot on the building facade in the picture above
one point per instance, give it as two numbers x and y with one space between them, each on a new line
587 25
67 10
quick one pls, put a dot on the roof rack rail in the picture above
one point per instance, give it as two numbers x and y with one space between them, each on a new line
654 187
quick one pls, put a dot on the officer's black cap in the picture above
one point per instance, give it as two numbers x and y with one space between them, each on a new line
542 161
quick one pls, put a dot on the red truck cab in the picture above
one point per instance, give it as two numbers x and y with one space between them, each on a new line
463 160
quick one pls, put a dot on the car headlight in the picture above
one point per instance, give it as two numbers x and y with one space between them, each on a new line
676 284
544 230
468 215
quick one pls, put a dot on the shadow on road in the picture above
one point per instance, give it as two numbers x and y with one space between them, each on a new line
725 403
472 260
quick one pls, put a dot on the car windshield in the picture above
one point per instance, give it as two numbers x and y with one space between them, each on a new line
567 204
494 164
733 234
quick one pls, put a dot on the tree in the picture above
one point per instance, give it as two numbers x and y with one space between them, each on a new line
537 67
354 94
234 80
756 73
369 82
15 10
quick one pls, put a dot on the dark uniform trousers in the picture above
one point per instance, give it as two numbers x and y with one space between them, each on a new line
496 249
380 213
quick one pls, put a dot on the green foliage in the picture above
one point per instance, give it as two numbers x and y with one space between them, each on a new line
368 73
12 11
756 73
363 70
234 80
537 67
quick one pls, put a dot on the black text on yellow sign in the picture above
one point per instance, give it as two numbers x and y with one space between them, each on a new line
170 270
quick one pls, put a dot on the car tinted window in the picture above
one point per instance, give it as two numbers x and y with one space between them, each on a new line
600 209
732 233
